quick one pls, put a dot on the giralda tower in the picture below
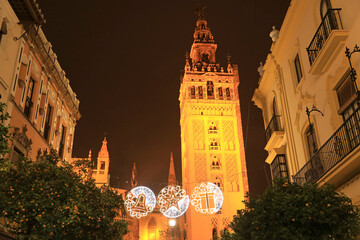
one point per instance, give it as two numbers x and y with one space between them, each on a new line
211 133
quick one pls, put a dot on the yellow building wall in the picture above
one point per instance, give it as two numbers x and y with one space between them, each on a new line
317 87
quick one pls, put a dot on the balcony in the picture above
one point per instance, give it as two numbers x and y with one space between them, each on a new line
326 41
273 126
333 152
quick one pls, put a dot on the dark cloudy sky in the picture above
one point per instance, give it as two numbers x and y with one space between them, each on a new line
124 59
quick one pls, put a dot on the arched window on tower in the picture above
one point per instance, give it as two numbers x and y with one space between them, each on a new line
215 164
218 183
228 96
214 145
200 89
205 56
220 91
192 92
210 89
213 128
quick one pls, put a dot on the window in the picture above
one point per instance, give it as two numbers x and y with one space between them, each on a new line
62 142
47 122
192 92
213 128
274 107
3 29
29 96
200 92
215 163
279 167
227 91
346 93
311 140
102 165
298 70
210 89
218 182
214 145
17 153
220 93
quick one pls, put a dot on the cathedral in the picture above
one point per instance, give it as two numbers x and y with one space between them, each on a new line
211 133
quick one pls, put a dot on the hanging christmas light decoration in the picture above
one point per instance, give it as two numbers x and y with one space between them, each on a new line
173 201
140 201
207 198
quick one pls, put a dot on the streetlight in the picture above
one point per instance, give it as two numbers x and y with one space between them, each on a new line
352 70
172 223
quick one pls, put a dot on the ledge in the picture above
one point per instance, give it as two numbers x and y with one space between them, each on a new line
327 53
274 140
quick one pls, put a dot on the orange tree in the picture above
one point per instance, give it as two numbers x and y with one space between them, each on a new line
46 199
288 211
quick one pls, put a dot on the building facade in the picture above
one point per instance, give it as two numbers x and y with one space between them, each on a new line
309 97
43 107
9 29
211 133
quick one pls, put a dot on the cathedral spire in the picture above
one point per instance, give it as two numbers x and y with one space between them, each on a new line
103 153
134 177
172 177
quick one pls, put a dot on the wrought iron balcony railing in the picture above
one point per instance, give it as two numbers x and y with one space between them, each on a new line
274 125
331 21
334 150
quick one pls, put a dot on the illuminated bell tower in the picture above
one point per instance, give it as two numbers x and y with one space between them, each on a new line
211 133
103 162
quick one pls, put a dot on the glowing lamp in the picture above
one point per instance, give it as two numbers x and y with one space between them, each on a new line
172 223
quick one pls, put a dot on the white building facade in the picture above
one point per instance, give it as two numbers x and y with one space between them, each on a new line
309 96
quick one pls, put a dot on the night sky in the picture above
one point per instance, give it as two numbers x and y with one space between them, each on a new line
124 60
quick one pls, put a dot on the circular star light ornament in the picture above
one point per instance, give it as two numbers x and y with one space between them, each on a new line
173 201
207 198
140 201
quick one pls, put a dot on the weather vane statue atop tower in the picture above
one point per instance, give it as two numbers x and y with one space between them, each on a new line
200 12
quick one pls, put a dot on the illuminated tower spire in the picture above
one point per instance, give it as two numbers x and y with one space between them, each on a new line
172 177
134 177
204 47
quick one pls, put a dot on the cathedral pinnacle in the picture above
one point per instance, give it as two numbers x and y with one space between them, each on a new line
103 153
172 177
134 177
